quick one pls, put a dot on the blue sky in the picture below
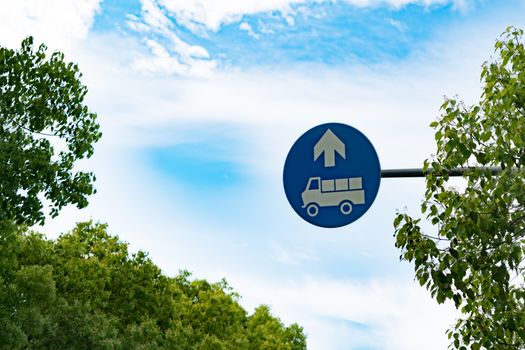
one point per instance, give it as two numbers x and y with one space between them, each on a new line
200 101
328 32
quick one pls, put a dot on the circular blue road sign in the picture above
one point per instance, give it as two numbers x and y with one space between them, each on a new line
331 175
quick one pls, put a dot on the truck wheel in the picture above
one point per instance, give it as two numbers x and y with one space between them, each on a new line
312 209
345 207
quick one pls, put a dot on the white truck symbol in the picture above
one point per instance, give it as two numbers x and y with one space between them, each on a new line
343 192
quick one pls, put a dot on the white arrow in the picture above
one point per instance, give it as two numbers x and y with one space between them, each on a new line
329 144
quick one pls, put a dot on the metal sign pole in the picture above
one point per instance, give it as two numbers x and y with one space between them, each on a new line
418 172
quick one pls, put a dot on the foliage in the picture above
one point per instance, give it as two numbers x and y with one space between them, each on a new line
476 256
85 291
44 129
266 332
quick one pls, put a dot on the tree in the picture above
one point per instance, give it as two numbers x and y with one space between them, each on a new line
86 291
44 129
266 332
475 255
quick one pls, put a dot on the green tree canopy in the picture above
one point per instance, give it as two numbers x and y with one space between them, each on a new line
475 254
44 129
86 291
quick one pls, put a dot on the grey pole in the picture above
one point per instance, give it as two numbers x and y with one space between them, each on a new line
418 172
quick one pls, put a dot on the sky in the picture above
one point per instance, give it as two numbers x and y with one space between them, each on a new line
200 101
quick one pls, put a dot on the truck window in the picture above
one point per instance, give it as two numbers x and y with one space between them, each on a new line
314 184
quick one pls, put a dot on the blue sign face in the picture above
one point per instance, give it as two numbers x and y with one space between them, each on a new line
332 175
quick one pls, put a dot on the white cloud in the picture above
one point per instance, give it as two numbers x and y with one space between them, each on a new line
294 256
202 16
211 15
248 29
351 314
457 4
265 28
397 24
160 18
162 62
58 23
176 56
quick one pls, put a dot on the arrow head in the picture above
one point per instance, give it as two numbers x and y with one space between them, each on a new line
329 144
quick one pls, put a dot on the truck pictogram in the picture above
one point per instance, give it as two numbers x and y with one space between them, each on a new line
343 192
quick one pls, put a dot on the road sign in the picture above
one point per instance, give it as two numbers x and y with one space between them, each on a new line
331 175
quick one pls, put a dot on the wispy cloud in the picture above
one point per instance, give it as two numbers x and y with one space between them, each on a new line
293 255
210 15
173 56
248 29
397 24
